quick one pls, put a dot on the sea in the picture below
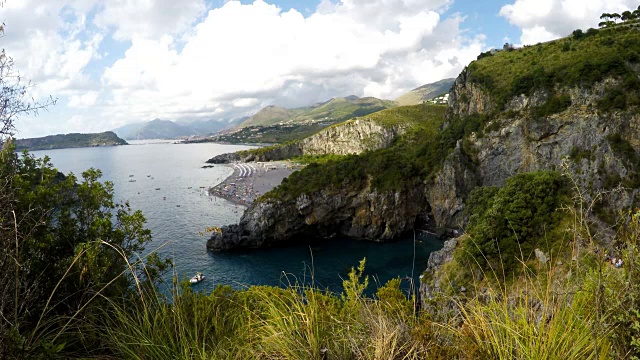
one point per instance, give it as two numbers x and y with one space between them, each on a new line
168 183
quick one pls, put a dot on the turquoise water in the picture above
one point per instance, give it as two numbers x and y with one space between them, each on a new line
181 209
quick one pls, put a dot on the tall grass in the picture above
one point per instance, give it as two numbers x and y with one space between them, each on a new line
263 322
528 325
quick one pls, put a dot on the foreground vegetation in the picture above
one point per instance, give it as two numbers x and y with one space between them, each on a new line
558 309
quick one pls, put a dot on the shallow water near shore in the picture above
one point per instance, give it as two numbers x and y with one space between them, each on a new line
167 182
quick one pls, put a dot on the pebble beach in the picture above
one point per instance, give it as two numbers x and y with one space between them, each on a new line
250 180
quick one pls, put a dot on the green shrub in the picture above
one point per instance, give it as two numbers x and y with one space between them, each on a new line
623 148
578 154
555 104
614 99
506 224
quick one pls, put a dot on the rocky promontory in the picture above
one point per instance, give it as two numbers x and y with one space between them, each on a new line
351 137
363 214
62 141
496 126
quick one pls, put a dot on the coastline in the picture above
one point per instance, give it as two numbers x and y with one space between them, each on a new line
251 180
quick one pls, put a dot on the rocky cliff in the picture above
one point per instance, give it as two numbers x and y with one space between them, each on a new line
511 141
582 137
499 122
351 137
362 214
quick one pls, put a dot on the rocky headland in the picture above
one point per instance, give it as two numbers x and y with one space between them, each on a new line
351 137
563 125
62 141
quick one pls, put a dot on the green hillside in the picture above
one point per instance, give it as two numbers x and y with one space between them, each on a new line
341 109
580 59
268 116
62 141
278 125
415 156
332 111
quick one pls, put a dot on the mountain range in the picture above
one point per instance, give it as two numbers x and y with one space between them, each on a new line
165 129
313 117
328 112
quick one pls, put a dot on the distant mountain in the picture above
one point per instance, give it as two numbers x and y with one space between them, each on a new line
208 127
425 92
62 141
165 129
329 112
268 116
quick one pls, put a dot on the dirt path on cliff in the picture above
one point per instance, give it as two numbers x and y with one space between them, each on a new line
250 180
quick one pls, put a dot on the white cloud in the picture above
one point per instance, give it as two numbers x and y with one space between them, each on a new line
45 41
148 18
544 20
83 101
258 52
536 34
183 63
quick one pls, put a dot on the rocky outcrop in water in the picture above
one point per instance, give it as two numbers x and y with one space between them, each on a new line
362 214
63 141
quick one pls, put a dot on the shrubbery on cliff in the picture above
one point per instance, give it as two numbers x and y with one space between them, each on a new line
508 223
589 59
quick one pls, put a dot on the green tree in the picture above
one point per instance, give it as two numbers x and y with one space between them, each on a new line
505 224
65 246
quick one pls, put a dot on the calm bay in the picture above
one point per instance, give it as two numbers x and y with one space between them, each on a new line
167 182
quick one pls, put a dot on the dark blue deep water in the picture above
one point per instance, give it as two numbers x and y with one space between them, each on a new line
181 209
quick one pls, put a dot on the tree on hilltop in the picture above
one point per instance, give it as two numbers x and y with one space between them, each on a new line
627 15
615 17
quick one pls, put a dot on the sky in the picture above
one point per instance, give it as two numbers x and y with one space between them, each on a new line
117 62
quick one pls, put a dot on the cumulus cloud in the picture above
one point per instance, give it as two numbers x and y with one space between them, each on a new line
259 52
181 62
544 20
44 39
149 19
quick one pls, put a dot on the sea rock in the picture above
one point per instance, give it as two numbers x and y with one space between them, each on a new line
364 214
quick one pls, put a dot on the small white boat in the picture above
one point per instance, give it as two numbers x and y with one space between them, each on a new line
197 278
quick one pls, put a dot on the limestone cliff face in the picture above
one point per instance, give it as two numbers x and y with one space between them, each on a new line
363 214
467 98
579 137
351 137
450 189
579 140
